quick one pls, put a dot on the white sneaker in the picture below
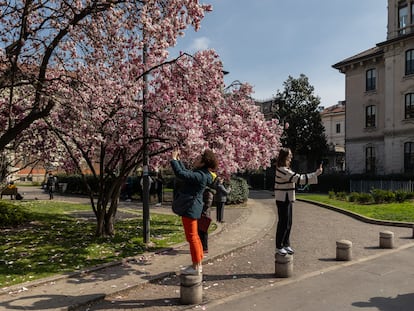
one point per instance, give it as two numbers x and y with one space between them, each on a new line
191 271
281 251
158 204
289 250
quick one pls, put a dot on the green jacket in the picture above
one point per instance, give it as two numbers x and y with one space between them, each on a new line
192 183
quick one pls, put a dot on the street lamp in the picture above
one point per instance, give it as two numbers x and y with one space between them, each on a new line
145 160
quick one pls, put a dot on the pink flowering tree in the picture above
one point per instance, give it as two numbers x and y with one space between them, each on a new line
45 45
74 75
186 107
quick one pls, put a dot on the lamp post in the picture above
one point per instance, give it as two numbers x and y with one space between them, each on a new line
145 160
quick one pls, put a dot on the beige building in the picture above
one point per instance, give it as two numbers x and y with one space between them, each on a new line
379 94
333 120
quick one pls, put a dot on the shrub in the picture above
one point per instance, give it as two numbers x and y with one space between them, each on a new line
353 197
381 196
364 198
401 196
341 196
239 191
12 215
410 195
331 194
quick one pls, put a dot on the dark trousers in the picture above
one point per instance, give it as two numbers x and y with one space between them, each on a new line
220 211
204 239
284 224
50 190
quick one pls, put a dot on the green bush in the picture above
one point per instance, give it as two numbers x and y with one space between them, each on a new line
353 197
12 215
382 196
364 198
341 196
331 194
401 196
239 191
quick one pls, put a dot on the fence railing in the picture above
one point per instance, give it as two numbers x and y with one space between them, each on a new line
367 185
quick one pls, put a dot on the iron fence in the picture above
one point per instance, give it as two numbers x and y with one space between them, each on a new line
367 185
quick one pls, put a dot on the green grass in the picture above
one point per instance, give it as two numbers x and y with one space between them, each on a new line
55 241
387 211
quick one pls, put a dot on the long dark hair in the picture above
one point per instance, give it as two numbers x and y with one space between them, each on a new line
282 157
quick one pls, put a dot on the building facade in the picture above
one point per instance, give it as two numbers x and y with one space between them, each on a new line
379 92
333 120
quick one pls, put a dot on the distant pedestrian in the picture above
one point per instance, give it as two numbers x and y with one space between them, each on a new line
51 185
220 198
159 184
285 182
13 189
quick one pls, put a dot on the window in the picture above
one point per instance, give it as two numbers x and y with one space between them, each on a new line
409 157
338 127
409 106
370 80
409 62
370 160
402 19
370 112
412 13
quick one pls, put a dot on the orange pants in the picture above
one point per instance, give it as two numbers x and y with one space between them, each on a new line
191 234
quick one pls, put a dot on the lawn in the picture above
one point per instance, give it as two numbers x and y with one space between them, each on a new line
388 211
57 240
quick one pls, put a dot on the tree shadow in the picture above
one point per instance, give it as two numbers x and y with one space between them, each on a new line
139 304
47 302
403 302
100 275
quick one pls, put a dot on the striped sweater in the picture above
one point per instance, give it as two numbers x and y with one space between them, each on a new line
286 180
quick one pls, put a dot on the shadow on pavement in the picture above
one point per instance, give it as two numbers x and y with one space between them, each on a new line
46 302
403 302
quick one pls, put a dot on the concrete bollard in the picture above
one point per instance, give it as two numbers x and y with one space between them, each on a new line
386 239
343 250
283 265
191 290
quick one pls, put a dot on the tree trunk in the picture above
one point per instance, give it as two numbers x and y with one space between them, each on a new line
106 215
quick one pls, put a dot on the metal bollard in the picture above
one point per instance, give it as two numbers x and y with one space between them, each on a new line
413 231
283 265
191 290
386 239
343 250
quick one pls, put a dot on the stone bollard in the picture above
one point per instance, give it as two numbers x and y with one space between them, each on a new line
191 290
283 265
344 250
386 239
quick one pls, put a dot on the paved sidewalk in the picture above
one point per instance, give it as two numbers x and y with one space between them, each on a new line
239 269
69 292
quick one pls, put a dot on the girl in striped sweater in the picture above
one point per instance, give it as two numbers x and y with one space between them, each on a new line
285 183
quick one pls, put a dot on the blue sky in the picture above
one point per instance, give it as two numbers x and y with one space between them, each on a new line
262 42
